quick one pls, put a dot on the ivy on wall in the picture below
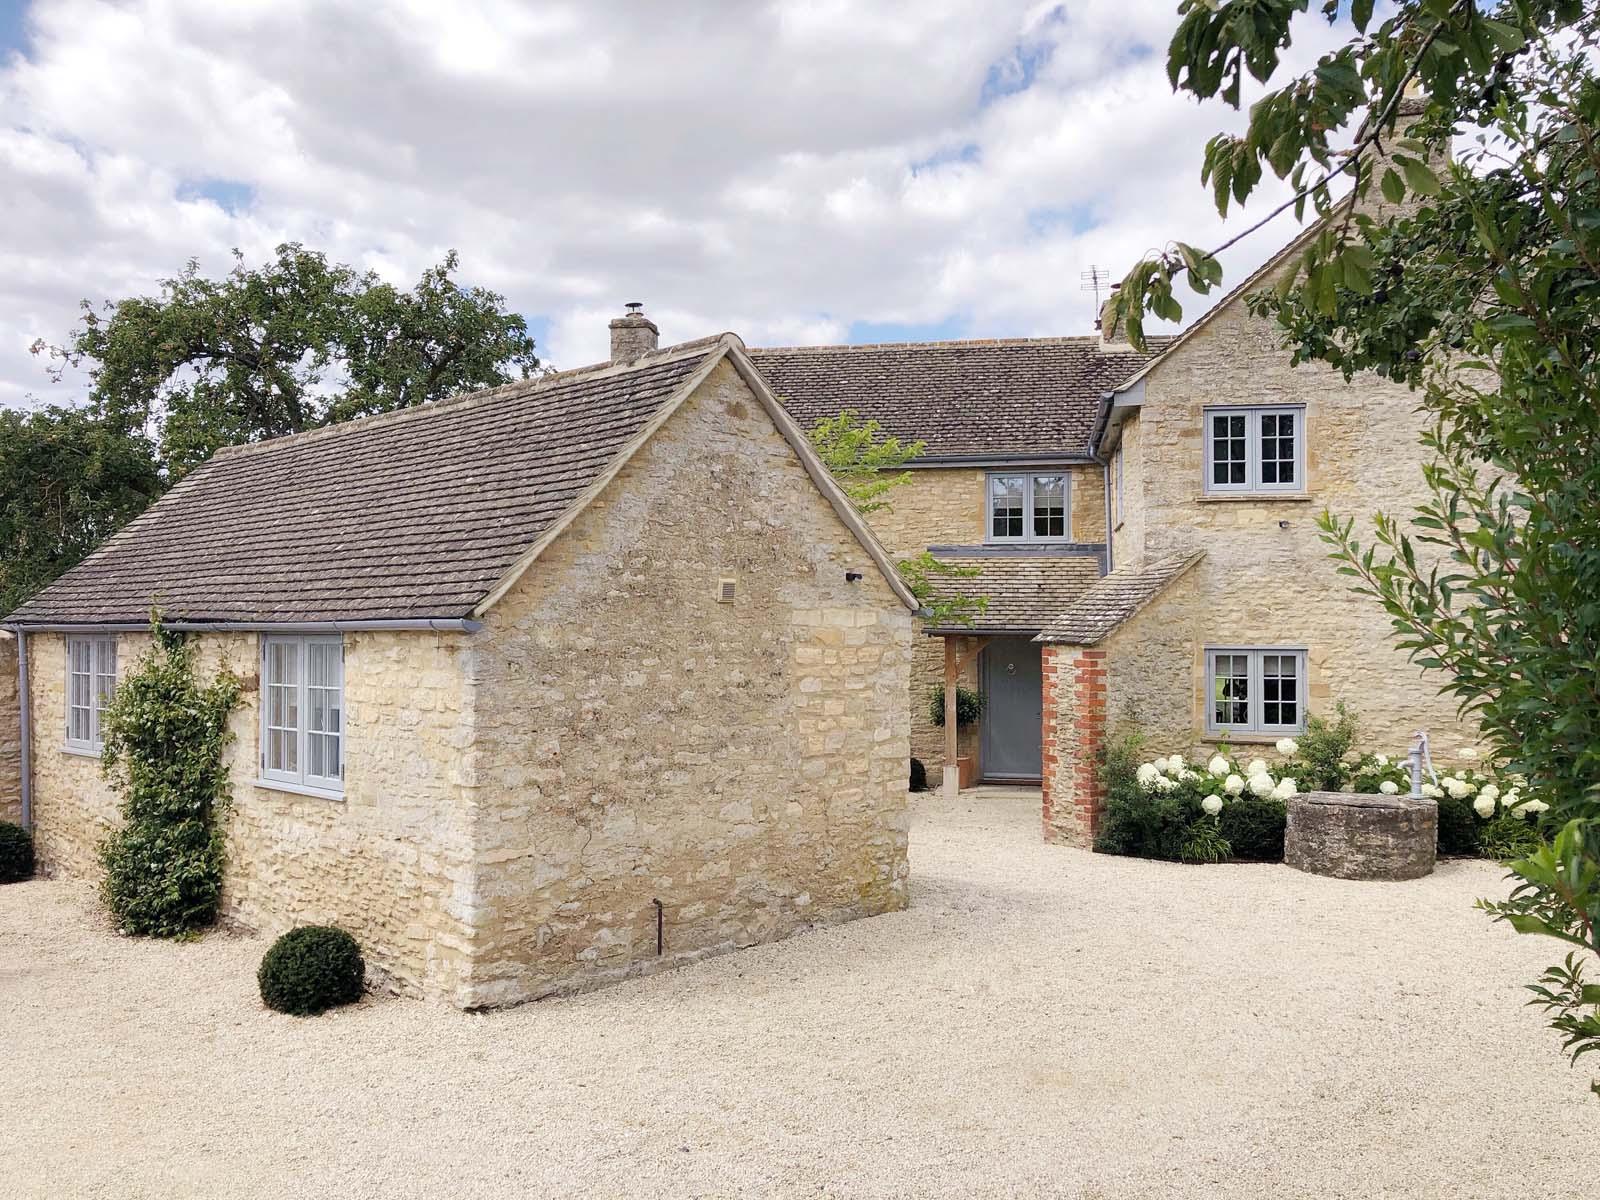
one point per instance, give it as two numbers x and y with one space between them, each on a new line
166 733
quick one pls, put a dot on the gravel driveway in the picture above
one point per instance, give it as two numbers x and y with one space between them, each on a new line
1041 1022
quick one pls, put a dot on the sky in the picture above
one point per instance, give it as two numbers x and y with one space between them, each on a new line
797 172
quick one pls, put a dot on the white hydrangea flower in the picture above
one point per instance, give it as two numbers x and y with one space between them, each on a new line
1291 784
1212 805
1459 788
1261 784
1432 792
1233 785
1490 791
1510 797
1188 776
1468 752
1218 765
1381 759
1532 808
1388 787
1176 763
1258 766
1284 790
1164 784
1288 746
1484 806
1147 774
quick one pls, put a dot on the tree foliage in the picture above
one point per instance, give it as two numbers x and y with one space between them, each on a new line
68 481
1479 286
165 737
868 465
281 348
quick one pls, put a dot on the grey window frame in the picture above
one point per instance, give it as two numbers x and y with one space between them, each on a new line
1252 486
1028 538
1255 656
102 649
301 779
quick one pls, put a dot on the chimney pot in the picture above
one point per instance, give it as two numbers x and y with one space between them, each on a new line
633 334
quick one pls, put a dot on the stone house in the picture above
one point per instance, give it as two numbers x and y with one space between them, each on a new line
1146 529
544 686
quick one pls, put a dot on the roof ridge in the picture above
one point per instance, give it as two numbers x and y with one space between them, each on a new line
665 354
1067 339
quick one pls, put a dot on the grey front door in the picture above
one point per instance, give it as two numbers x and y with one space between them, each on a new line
1011 731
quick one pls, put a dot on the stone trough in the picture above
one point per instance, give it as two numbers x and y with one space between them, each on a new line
1361 837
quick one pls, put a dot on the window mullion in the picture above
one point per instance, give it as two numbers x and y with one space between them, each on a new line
302 652
1257 708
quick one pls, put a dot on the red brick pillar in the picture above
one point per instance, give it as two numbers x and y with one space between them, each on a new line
1074 695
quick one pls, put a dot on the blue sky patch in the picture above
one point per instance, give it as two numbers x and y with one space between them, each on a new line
13 39
1017 70
1073 218
968 153
231 196
860 332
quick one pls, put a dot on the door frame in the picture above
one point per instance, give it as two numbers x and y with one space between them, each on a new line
984 773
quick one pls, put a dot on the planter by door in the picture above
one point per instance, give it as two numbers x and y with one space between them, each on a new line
1011 731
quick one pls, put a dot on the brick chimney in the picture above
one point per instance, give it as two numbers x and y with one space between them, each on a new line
633 334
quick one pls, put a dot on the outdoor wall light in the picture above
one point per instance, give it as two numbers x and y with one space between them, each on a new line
852 576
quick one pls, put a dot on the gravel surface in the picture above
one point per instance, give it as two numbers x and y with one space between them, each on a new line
1041 1022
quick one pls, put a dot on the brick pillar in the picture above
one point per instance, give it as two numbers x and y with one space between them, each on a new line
1074 695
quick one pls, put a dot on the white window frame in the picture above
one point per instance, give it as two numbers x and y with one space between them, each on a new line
1252 449
102 652
1255 724
301 779
1028 536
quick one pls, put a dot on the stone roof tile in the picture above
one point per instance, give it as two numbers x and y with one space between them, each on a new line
1112 600
1038 396
1024 592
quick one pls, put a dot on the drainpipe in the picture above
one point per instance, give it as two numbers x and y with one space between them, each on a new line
25 720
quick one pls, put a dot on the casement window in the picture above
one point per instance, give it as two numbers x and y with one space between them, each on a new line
1024 507
91 678
1261 690
1255 450
302 711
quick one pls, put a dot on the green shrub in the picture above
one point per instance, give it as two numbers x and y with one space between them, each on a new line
919 776
1322 748
1203 843
969 706
165 734
310 970
1508 837
1254 827
1136 821
1458 826
16 853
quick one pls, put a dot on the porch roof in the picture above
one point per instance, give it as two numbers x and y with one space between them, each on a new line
1025 592
1100 609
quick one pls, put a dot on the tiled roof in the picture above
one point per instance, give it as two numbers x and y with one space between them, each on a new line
1025 592
1112 600
968 399
401 516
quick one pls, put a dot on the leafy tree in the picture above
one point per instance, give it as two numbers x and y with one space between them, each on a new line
868 466
285 347
1480 288
68 480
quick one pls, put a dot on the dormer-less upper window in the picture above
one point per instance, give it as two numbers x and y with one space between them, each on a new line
1029 507
1255 450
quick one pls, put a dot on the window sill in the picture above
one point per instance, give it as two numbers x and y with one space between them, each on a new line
80 751
1257 497
295 789
1250 739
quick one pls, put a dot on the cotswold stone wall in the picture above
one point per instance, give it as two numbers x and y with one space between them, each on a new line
743 764
1127 536
390 862
1266 578
10 733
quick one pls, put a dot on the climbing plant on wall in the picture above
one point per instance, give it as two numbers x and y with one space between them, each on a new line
166 732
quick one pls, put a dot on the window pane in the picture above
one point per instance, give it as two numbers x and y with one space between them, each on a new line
1049 506
1229 447
1277 448
1280 689
1005 500
1230 701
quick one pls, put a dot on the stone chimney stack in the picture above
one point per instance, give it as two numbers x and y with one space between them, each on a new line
633 334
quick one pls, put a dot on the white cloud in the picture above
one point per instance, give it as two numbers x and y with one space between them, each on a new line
782 169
